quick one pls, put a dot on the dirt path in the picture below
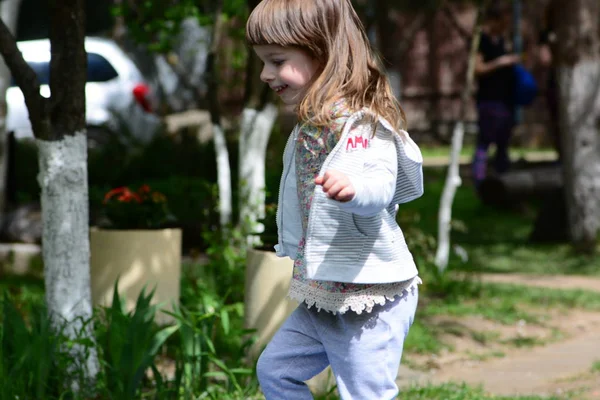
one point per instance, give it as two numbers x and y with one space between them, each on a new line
549 281
537 371
560 366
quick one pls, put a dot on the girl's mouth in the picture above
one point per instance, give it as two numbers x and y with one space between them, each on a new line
280 89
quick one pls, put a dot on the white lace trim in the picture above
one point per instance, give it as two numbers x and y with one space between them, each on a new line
359 301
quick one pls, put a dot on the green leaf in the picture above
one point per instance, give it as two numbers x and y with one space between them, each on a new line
216 374
160 337
225 321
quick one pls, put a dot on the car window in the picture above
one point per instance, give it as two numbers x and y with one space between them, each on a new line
99 70
41 69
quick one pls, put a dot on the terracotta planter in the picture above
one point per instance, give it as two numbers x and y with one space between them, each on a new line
138 258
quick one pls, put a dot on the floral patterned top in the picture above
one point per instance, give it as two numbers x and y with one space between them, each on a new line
313 145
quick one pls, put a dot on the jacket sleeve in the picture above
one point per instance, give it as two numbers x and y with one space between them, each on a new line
375 187
410 170
393 172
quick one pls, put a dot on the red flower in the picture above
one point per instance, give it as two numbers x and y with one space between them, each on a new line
140 208
144 189
125 195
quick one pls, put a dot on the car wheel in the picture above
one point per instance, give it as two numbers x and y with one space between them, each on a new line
98 137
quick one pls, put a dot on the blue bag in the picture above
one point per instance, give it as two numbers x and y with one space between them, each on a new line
526 87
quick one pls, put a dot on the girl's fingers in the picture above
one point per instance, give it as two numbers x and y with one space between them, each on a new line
330 182
346 194
333 190
335 187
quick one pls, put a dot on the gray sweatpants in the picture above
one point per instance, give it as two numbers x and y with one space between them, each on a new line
364 351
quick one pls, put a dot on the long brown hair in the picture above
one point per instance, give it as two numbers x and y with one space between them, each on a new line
331 32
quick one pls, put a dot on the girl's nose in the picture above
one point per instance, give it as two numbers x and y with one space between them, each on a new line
266 74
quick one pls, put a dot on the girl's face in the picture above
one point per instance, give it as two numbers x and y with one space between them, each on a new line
287 70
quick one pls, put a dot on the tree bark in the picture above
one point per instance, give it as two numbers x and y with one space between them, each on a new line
59 127
220 141
433 63
256 128
9 13
453 180
27 81
578 62
451 18
258 117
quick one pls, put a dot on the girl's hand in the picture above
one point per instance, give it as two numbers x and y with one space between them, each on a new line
336 185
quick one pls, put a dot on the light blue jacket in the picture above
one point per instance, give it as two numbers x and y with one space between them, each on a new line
358 241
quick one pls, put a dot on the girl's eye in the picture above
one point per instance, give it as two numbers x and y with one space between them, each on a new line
278 62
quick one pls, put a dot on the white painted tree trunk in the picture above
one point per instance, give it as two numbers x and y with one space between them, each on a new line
9 13
223 175
453 181
66 251
580 101
256 130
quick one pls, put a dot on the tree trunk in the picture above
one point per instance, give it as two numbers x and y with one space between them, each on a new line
223 174
453 180
66 251
59 127
578 61
256 128
63 180
222 154
9 13
258 118
433 63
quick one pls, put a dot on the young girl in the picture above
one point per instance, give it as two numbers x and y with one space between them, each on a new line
347 165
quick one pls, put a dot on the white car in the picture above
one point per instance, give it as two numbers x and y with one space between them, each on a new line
118 101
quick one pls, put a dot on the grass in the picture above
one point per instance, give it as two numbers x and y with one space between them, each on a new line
485 356
467 151
452 391
524 341
508 303
485 337
25 291
496 240
423 338
455 391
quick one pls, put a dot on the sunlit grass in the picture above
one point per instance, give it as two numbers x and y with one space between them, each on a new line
456 391
467 151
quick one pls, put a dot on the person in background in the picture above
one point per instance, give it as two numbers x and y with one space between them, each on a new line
495 95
